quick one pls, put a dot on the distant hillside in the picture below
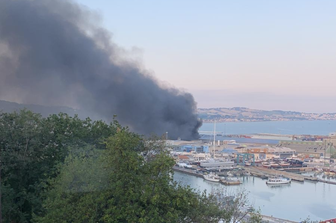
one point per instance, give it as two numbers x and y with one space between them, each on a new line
241 114
236 114
6 106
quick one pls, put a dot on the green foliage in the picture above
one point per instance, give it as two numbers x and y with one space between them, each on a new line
63 169
31 148
235 206
307 220
74 195
136 186
255 217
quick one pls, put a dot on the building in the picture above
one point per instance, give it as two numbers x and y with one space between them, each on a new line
217 164
266 152
314 149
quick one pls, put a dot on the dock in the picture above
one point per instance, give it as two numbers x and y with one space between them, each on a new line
263 172
226 182
299 169
187 171
327 181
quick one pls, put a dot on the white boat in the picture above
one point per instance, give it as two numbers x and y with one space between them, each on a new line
278 180
184 165
211 177
215 163
284 164
229 174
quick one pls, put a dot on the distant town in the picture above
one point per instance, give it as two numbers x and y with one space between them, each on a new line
242 114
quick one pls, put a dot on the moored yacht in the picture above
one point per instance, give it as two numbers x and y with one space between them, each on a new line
278 180
211 177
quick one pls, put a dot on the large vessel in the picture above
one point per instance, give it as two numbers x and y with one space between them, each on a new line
215 163
211 177
278 180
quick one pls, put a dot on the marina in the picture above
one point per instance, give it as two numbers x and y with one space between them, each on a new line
288 175
294 202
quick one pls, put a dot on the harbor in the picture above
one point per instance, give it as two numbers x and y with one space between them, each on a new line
294 172
222 180
294 202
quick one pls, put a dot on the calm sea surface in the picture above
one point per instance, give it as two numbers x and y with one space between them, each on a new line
279 127
293 202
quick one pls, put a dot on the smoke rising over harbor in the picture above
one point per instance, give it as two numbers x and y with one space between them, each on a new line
52 52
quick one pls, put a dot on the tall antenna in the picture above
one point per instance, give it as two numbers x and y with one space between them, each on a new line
214 140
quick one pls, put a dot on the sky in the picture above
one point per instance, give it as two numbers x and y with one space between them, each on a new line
257 54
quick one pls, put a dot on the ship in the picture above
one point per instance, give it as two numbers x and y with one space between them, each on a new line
278 180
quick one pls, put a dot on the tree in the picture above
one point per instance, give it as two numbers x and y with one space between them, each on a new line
237 206
138 187
63 169
75 194
31 149
21 149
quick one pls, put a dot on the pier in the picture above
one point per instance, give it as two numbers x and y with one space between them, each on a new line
259 186
263 173
260 172
226 182
187 171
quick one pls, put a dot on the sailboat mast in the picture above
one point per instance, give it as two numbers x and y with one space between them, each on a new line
214 140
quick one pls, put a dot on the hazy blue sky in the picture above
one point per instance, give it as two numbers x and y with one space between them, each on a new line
259 54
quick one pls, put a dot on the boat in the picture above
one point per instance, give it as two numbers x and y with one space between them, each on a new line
278 180
273 164
228 182
211 177
229 174
216 163
284 164
266 164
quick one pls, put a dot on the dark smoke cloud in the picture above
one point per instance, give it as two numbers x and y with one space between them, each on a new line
52 52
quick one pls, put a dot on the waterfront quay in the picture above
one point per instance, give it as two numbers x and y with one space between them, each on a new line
260 172
188 171
225 181
295 201
308 160
287 158
265 218
264 173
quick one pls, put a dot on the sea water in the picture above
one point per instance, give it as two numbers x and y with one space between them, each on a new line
323 127
295 202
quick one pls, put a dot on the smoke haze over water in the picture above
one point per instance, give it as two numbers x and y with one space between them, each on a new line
52 52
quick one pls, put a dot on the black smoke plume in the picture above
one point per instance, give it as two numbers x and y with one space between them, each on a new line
52 52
